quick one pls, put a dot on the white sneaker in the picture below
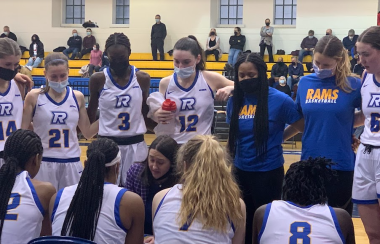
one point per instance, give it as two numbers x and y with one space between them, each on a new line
29 67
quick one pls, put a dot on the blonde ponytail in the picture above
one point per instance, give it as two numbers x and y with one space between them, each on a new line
210 193
343 70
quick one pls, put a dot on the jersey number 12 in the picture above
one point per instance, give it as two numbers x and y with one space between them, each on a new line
188 123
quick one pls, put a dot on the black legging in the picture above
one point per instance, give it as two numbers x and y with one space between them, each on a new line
91 69
258 188
339 190
215 52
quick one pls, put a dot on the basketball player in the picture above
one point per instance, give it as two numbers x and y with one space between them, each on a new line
96 209
366 188
121 92
206 207
24 202
192 88
326 98
303 215
12 93
56 111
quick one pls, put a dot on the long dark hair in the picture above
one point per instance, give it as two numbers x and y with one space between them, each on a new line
371 36
82 216
261 124
20 146
191 44
305 181
168 147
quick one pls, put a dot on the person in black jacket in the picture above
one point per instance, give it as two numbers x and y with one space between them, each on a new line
36 53
279 69
237 42
157 36
9 34
283 87
75 45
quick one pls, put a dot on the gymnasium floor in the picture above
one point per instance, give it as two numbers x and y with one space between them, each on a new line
291 155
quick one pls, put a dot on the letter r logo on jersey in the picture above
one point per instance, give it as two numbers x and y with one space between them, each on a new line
187 104
374 101
59 118
6 109
123 101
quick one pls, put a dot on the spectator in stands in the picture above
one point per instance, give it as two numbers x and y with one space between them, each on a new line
309 67
105 61
36 53
237 42
278 70
295 72
95 60
154 174
350 40
7 33
283 87
266 34
89 42
158 35
307 46
75 44
378 18
328 32
358 68
213 45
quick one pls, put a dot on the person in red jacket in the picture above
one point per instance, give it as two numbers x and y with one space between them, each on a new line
378 18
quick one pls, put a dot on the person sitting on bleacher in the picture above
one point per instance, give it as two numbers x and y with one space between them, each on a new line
278 70
307 46
105 61
36 53
237 42
283 87
213 45
89 42
95 60
75 44
295 72
9 34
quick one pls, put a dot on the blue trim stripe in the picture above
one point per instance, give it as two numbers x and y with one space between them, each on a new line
34 110
375 201
337 226
35 196
378 195
265 219
61 160
116 84
117 209
159 205
63 101
375 81
7 91
75 99
364 77
292 203
212 92
192 85
56 203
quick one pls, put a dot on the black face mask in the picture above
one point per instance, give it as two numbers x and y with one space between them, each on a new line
267 24
327 34
235 33
119 68
294 63
280 63
7 74
213 33
250 86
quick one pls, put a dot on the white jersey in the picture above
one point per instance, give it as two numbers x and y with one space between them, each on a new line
120 107
56 125
11 106
167 230
110 229
284 222
23 221
371 108
195 108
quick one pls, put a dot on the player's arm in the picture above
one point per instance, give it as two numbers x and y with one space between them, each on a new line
239 236
257 223
88 130
219 83
45 191
161 116
132 215
294 129
24 83
359 118
144 81
346 225
95 85
29 106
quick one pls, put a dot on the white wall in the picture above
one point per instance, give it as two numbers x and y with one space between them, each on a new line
184 17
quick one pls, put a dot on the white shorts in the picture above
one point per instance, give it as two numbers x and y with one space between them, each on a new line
60 174
129 155
366 187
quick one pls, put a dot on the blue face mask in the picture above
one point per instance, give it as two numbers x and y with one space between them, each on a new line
88 33
157 20
282 81
311 37
75 34
323 73
58 86
184 73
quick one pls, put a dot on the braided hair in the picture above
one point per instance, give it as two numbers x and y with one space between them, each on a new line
118 39
82 216
305 181
20 146
261 124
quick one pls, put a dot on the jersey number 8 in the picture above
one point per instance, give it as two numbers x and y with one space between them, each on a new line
300 233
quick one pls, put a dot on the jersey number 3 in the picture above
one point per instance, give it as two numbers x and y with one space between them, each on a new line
300 233
14 202
375 122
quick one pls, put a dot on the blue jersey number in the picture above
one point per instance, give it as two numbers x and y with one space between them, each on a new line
55 136
125 125
189 123
375 122
300 233
14 202
11 127
187 225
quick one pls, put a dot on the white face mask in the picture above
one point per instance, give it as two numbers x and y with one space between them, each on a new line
184 73
94 48
59 86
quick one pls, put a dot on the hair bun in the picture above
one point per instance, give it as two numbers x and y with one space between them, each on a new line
192 37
